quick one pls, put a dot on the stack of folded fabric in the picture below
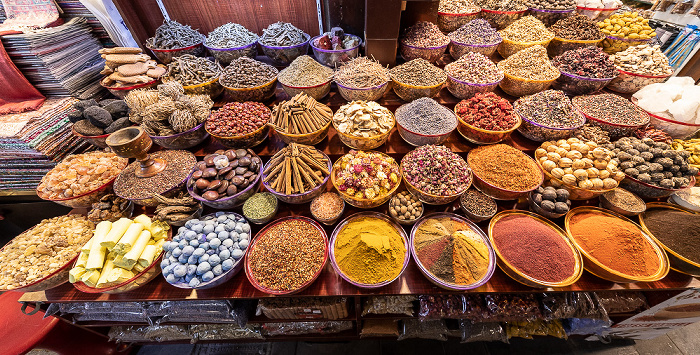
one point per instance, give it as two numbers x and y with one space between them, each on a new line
61 60
73 8
46 139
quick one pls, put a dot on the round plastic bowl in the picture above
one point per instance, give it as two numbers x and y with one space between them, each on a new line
496 192
87 199
629 83
677 261
612 45
516 86
430 198
284 55
676 129
431 54
411 92
229 202
267 218
304 197
534 207
331 221
596 268
226 55
343 223
225 276
615 130
166 56
458 49
261 234
140 279
318 91
445 284
331 57
211 88
560 45
307 138
508 47
257 93
418 139
363 143
596 14
363 202
501 19
575 192
574 85
121 91
540 133
464 90
448 22
528 280
97 141
367 94
605 203
184 140
405 222
245 141
549 17
483 136
649 191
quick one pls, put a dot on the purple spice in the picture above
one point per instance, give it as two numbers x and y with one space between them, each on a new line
476 32
588 62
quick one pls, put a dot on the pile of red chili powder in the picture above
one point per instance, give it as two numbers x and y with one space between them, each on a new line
533 248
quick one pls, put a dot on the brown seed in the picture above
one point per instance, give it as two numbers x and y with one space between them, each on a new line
214 185
224 171
231 190
241 170
230 154
197 174
245 161
247 174
209 173
241 153
201 165
237 180
209 159
202 184
224 186
230 175
211 195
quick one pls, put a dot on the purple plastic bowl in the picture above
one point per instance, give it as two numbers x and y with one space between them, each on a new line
305 196
464 90
230 202
384 217
183 140
444 284
331 57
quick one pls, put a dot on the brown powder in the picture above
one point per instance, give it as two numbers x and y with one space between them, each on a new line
505 167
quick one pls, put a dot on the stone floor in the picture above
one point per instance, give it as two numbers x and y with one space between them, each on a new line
683 341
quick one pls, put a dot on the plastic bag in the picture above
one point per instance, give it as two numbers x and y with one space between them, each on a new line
157 333
379 328
203 311
303 308
622 302
295 328
441 306
509 307
586 326
389 305
588 306
104 311
474 308
539 327
434 329
223 332
486 331
558 305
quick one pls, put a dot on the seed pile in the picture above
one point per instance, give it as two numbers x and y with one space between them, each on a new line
405 206
588 62
238 118
577 27
363 119
474 68
612 109
80 174
436 170
552 4
530 63
643 59
478 204
625 200
305 71
189 70
457 6
230 35
424 34
300 115
503 5
418 72
246 72
168 110
172 35
42 250
287 255
527 29
426 116
131 187
225 174
361 73
505 167
588 133
327 206
549 108
487 111
678 230
476 31
296 169
282 34
260 206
